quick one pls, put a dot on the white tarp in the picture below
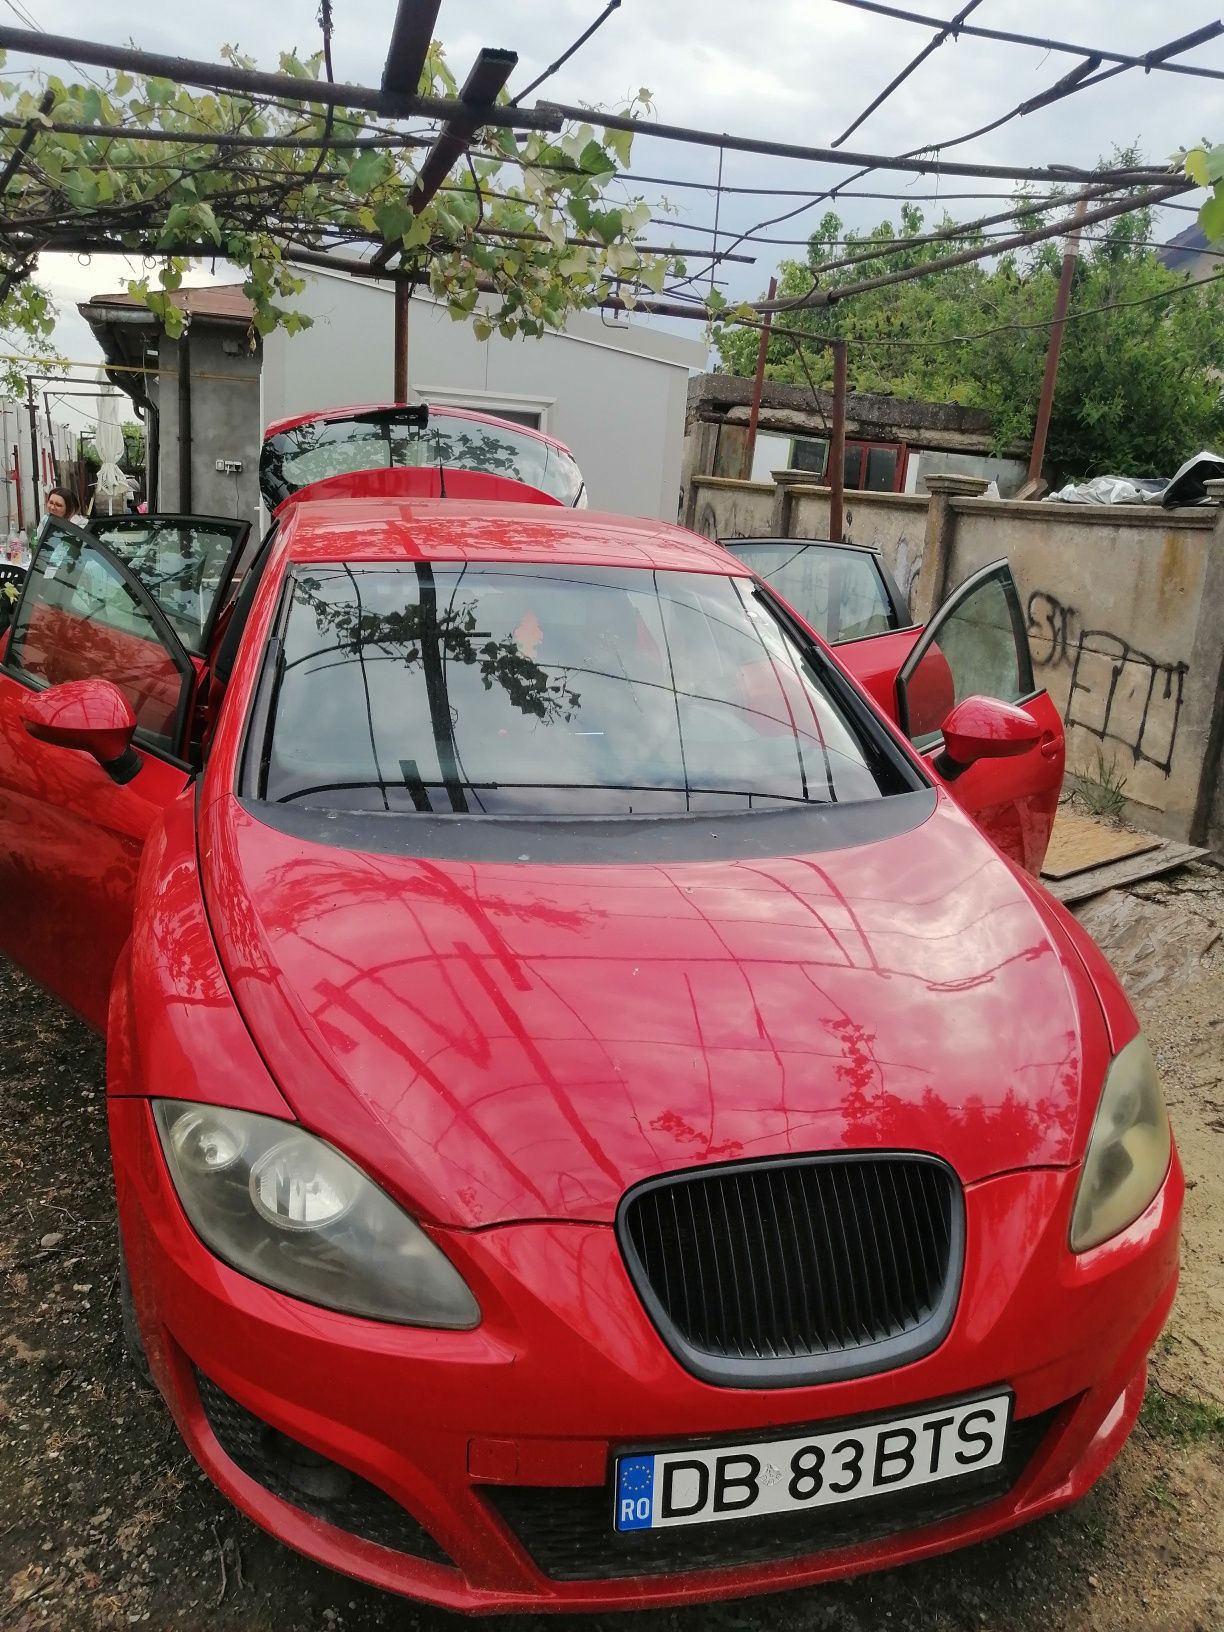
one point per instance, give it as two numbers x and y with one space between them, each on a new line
1186 487
111 483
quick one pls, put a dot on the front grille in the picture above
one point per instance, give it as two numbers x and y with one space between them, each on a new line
569 1534
786 1272
310 1481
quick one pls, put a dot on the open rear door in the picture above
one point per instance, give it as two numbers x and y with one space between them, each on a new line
977 645
186 563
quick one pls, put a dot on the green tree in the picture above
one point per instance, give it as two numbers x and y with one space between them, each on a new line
1139 386
27 319
502 228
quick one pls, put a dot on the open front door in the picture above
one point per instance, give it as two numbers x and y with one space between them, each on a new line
132 602
976 645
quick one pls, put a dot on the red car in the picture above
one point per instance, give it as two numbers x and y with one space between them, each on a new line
600 1117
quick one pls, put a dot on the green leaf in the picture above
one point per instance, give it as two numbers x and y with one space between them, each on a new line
178 221
1211 217
159 92
369 168
654 274
123 83
392 219
91 108
80 188
207 221
482 328
595 160
1215 164
1196 166
621 143
608 225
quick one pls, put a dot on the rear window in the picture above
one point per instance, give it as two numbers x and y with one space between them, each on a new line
379 441
524 690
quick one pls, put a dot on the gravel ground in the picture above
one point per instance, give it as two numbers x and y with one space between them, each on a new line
105 1523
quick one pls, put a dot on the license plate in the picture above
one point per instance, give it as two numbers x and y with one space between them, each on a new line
814 1469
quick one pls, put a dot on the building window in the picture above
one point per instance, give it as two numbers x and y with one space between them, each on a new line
530 417
809 453
530 412
876 467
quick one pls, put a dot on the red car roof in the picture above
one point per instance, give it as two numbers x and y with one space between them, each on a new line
438 412
456 530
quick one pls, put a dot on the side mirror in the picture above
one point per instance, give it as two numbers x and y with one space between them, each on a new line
92 716
984 728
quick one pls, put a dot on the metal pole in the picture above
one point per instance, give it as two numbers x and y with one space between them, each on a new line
55 475
403 294
22 146
184 421
757 384
153 457
837 444
1061 302
35 471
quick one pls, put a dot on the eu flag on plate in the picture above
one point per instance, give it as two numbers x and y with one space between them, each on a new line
635 1492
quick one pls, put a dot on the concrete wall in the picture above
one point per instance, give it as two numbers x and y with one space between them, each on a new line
615 394
225 422
1123 632
1124 606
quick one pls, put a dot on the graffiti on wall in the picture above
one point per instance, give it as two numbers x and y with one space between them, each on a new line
1115 691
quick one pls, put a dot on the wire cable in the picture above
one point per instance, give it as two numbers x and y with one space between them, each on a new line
932 45
1146 63
613 5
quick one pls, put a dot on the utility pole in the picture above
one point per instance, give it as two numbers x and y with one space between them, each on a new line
1061 302
757 385
837 445
35 470
403 295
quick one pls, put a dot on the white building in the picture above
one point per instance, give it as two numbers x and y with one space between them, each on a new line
613 391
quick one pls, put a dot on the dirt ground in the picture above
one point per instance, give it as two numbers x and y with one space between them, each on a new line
105 1523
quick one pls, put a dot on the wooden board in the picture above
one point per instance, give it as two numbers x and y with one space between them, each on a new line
1079 843
1165 858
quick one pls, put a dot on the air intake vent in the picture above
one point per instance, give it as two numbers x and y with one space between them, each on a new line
794 1271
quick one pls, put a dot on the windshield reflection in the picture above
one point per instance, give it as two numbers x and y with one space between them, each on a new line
536 690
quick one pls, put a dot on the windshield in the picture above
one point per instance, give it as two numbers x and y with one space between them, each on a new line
517 690
322 448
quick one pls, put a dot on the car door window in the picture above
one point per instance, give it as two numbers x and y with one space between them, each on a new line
83 616
838 592
185 562
975 645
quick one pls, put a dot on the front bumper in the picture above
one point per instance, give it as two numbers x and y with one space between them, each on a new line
481 1461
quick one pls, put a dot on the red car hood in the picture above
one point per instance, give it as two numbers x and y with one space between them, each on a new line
501 1041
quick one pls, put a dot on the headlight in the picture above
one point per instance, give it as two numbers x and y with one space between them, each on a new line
1128 1153
289 1210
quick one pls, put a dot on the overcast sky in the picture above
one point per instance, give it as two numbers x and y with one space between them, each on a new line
788 70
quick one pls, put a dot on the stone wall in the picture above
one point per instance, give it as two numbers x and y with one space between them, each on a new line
1124 604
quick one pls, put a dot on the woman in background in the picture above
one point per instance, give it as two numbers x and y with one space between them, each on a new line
61 504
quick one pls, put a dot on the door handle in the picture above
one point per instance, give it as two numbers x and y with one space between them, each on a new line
1050 745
